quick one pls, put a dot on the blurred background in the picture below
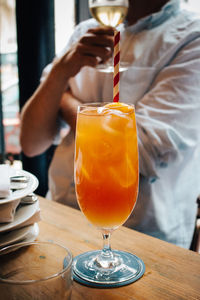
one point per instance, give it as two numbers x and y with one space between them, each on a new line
31 33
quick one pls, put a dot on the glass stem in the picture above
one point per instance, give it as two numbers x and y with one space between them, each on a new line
105 260
106 251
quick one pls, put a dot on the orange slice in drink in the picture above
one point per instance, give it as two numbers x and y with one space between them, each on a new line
119 117
124 173
125 108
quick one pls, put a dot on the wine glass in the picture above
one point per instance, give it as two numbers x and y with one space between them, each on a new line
109 13
106 182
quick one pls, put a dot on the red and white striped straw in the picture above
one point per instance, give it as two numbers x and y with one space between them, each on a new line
116 66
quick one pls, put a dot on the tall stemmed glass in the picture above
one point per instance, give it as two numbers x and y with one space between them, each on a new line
106 181
109 13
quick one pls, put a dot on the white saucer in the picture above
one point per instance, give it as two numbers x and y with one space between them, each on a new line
23 213
18 235
32 234
31 186
30 237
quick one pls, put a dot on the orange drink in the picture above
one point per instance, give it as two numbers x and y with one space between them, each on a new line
106 163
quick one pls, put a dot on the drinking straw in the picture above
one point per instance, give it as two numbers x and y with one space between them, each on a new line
116 66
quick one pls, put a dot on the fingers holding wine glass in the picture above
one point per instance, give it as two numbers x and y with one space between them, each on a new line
94 47
98 42
101 37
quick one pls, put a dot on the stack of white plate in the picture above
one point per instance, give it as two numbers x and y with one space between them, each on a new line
23 227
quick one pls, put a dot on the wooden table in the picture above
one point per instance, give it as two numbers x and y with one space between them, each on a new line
171 272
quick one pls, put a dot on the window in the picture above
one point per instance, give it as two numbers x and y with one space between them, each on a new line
9 76
64 25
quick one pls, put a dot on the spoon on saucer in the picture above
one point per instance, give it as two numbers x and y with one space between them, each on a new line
29 199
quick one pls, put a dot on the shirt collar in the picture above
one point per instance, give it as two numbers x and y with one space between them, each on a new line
170 9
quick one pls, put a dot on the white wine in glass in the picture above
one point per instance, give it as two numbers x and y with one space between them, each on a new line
109 13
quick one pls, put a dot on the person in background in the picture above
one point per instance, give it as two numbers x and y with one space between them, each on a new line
162 44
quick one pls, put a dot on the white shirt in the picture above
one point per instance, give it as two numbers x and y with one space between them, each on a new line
163 82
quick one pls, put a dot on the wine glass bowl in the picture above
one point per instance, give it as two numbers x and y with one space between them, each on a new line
107 12
106 181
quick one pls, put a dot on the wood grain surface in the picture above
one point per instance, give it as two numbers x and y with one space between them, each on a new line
171 272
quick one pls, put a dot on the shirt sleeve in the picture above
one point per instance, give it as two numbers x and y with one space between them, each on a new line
79 30
168 116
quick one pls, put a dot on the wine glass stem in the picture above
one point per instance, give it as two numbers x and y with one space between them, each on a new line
106 251
105 260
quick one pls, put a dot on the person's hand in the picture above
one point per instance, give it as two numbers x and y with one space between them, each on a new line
94 47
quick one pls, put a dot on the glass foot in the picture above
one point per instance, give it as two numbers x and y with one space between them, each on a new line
87 271
109 68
